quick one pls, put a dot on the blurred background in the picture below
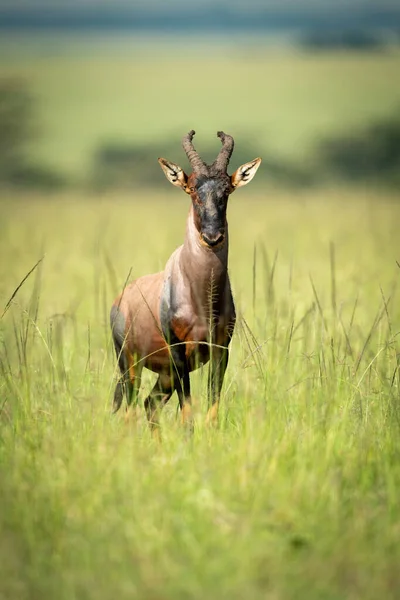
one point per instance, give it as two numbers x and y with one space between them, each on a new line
306 468
92 92
296 495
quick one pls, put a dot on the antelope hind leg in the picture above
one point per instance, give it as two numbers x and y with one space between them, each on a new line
155 402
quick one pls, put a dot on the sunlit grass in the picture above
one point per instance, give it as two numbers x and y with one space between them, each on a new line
294 495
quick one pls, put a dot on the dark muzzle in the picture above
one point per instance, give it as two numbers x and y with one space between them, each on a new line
213 240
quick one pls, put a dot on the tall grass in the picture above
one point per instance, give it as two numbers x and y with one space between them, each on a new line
294 495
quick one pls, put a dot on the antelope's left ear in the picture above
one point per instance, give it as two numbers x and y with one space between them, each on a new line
173 173
244 174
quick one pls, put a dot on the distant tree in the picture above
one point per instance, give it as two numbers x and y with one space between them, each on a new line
17 128
16 125
346 40
371 153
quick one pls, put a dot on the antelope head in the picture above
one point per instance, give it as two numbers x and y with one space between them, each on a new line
209 186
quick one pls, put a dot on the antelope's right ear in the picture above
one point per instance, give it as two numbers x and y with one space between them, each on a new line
173 173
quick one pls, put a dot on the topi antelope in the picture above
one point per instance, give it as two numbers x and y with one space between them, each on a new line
173 321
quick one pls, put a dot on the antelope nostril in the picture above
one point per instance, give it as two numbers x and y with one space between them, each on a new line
213 240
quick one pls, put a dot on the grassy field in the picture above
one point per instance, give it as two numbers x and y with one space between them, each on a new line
295 495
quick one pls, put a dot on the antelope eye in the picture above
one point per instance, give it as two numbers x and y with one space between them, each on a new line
192 189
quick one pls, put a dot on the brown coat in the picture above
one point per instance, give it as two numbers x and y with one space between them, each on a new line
175 320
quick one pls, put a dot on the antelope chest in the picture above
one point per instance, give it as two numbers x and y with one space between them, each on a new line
189 323
197 334
192 334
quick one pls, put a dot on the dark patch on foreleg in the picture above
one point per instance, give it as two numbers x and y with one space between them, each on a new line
216 373
180 373
185 398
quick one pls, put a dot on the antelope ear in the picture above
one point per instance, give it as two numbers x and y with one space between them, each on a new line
244 174
173 173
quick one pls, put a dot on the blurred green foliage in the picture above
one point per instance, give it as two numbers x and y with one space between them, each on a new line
106 112
18 127
16 124
295 495
368 155
371 154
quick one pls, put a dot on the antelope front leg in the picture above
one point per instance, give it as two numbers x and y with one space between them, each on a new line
218 364
185 399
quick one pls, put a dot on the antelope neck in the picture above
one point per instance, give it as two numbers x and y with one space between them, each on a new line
201 264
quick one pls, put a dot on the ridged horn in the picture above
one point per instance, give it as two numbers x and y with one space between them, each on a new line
222 160
195 161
